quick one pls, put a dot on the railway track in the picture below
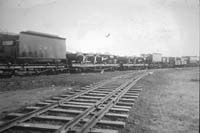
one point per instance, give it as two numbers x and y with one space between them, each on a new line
99 108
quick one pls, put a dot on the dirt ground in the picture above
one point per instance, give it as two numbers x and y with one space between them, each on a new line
169 103
18 92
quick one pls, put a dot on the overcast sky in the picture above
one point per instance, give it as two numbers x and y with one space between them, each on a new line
122 27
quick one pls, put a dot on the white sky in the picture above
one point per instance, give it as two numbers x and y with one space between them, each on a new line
170 27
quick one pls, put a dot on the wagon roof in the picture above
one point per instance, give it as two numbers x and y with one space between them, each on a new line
42 34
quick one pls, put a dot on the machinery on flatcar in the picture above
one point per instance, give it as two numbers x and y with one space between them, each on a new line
91 62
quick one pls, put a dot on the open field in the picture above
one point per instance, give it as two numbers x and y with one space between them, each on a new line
169 101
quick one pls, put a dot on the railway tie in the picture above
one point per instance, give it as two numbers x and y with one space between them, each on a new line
96 108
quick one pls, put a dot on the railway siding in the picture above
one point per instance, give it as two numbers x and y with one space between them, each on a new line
101 107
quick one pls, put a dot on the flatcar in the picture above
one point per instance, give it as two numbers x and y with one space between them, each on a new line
91 62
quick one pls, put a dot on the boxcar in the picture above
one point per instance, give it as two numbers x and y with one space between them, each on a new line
40 47
8 47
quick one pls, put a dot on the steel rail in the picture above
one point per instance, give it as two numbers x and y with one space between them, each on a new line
77 119
92 122
29 115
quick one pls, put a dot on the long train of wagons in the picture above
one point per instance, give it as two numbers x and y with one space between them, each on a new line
29 53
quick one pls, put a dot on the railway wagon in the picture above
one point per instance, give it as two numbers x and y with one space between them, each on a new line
131 63
38 47
178 62
156 58
8 47
32 51
171 62
79 62
74 58
153 60
165 62
191 60
31 47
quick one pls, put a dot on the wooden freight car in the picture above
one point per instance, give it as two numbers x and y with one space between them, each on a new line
40 47
32 51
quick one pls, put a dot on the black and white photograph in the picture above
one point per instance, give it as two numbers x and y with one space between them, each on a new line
99 66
